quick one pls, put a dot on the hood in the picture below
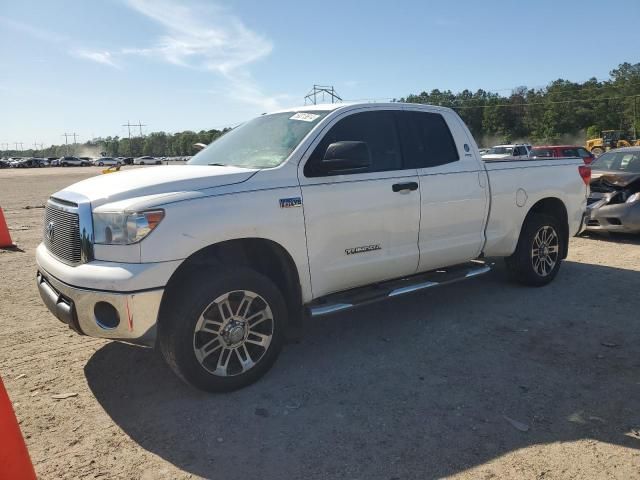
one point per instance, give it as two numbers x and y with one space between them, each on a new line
615 179
166 179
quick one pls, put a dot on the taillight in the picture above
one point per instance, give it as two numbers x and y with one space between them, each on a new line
585 173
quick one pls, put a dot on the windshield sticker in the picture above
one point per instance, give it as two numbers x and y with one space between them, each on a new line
304 117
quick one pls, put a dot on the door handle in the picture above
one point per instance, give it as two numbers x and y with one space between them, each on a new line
399 187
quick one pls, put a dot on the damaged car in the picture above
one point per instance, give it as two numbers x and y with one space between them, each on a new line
614 202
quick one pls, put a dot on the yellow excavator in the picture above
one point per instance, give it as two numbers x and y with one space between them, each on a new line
608 140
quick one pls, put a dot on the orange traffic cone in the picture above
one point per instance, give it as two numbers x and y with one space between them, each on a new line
5 236
14 456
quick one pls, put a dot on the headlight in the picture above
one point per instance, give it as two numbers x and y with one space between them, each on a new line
124 228
634 198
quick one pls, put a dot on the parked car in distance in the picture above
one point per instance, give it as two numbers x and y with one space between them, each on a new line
483 151
4 163
516 151
107 161
125 160
562 151
614 202
309 210
73 162
147 160
31 163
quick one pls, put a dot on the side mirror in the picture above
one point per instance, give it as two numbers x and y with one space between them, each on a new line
346 157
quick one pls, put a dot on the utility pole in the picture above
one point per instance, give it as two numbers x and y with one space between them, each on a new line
66 140
6 147
18 143
635 117
35 147
140 125
324 90
129 125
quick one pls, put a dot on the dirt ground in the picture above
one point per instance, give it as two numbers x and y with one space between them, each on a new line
483 379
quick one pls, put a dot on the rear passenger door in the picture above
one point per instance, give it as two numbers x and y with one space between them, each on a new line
453 187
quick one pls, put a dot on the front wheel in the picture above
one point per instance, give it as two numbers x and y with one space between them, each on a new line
597 151
223 330
538 254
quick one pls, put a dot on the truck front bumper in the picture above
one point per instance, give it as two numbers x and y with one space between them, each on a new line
130 317
116 301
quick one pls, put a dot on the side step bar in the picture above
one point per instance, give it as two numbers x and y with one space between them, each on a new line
392 288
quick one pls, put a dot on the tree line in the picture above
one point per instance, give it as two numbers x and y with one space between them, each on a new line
560 111
563 111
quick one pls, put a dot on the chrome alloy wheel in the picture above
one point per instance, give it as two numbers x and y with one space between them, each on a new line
545 251
233 333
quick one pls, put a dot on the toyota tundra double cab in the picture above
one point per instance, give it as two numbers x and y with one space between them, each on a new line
292 215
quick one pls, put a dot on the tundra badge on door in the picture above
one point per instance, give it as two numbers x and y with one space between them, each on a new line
366 248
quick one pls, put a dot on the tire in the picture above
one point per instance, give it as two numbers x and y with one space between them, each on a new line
530 264
203 348
597 151
101 164
141 163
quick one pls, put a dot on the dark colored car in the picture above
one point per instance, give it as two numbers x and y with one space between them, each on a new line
614 202
4 164
73 162
31 163
562 151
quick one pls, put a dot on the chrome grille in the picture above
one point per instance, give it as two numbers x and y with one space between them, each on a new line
61 234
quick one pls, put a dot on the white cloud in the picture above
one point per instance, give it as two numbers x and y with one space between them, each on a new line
208 37
105 58
200 36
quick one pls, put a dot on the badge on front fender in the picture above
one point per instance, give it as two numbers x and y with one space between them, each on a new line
290 202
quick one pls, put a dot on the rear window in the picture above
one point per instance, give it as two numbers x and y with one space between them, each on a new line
426 140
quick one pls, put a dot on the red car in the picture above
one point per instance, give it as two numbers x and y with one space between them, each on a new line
561 151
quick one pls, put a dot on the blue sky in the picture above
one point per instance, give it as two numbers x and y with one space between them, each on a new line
89 66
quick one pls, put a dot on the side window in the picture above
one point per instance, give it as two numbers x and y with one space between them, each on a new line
426 140
583 153
377 129
569 152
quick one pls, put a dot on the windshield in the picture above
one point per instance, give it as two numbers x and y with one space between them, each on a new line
501 151
628 162
263 142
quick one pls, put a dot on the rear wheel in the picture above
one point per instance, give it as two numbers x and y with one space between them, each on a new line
223 330
538 254
597 151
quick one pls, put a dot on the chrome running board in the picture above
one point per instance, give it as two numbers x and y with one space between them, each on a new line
392 288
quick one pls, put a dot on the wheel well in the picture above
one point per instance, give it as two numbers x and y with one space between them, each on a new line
264 256
554 207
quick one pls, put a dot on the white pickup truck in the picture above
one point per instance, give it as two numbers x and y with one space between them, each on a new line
297 213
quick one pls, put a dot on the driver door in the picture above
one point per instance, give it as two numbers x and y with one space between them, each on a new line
362 227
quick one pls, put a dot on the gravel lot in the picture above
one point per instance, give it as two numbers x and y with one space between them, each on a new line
440 384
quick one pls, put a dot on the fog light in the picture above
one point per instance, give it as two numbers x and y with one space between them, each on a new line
106 315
